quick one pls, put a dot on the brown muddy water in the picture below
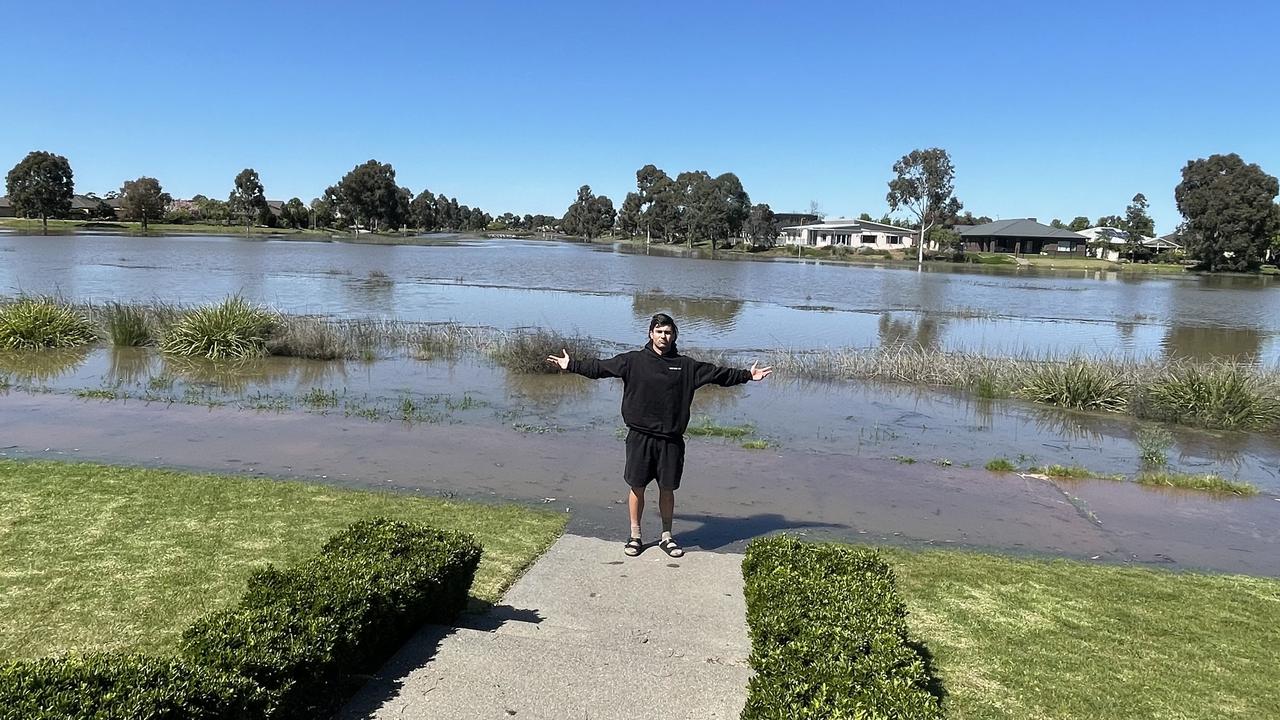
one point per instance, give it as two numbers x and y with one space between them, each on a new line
837 464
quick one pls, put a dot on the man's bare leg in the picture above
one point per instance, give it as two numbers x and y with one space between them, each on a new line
635 507
667 508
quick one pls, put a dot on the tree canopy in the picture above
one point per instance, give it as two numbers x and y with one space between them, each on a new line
1230 212
248 198
924 184
1137 225
41 185
368 197
590 215
143 199
762 227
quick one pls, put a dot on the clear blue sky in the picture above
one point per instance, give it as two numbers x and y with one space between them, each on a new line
1048 109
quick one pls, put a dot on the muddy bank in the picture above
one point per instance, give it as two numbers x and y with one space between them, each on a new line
730 494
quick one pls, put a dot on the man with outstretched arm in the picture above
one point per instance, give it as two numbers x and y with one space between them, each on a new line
657 388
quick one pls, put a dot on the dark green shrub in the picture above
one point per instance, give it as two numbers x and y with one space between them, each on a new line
307 633
829 636
107 685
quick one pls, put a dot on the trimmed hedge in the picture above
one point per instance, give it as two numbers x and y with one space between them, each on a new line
829 636
307 634
296 646
110 685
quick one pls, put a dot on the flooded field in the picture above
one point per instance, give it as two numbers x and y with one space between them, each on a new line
608 293
870 420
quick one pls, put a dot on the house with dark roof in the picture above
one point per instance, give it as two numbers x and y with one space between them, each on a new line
6 207
1021 236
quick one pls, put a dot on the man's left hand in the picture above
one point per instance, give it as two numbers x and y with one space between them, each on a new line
760 373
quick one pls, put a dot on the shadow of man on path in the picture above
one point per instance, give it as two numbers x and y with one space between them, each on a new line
718 532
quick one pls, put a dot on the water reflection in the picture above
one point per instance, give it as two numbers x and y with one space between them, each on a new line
128 365
917 330
42 365
546 392
233 376
717 313
1201 343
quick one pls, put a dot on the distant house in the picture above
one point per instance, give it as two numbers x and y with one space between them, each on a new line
6 208
848 233
1021 236
1110 243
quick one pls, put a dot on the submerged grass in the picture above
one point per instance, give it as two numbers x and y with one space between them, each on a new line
1076 384
527 351
704 427
109 558
42 324
1219 395
1205 482
126 325
1224 395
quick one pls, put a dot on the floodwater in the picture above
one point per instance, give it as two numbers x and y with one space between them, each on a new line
908 425
608 292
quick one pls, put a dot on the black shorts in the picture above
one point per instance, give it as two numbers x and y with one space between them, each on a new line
650 457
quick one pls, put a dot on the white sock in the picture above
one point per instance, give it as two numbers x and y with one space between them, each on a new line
666 534
635 531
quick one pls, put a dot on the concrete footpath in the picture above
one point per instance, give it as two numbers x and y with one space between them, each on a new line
586 633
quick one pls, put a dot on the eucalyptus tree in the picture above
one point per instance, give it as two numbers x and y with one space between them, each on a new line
1230 210
369 197
762 228
143 199
248 198
589 215
924 185
1137 225
41 185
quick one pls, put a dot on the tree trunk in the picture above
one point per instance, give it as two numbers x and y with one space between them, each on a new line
44 223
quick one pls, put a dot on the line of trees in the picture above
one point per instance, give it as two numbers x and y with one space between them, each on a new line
693 207
41 186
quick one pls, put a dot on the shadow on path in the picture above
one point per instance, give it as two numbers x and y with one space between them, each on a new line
716 531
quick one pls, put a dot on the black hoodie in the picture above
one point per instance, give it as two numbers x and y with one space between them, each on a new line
657 389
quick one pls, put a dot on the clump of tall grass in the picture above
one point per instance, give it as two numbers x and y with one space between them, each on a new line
41 323
1000 465
309 337
527 351
126 325
1223 395
232 329
445 340
1077 384
1206 482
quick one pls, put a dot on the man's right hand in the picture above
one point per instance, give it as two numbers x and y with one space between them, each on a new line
561 361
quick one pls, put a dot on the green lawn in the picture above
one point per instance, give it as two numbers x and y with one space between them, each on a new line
99 557
1016 638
